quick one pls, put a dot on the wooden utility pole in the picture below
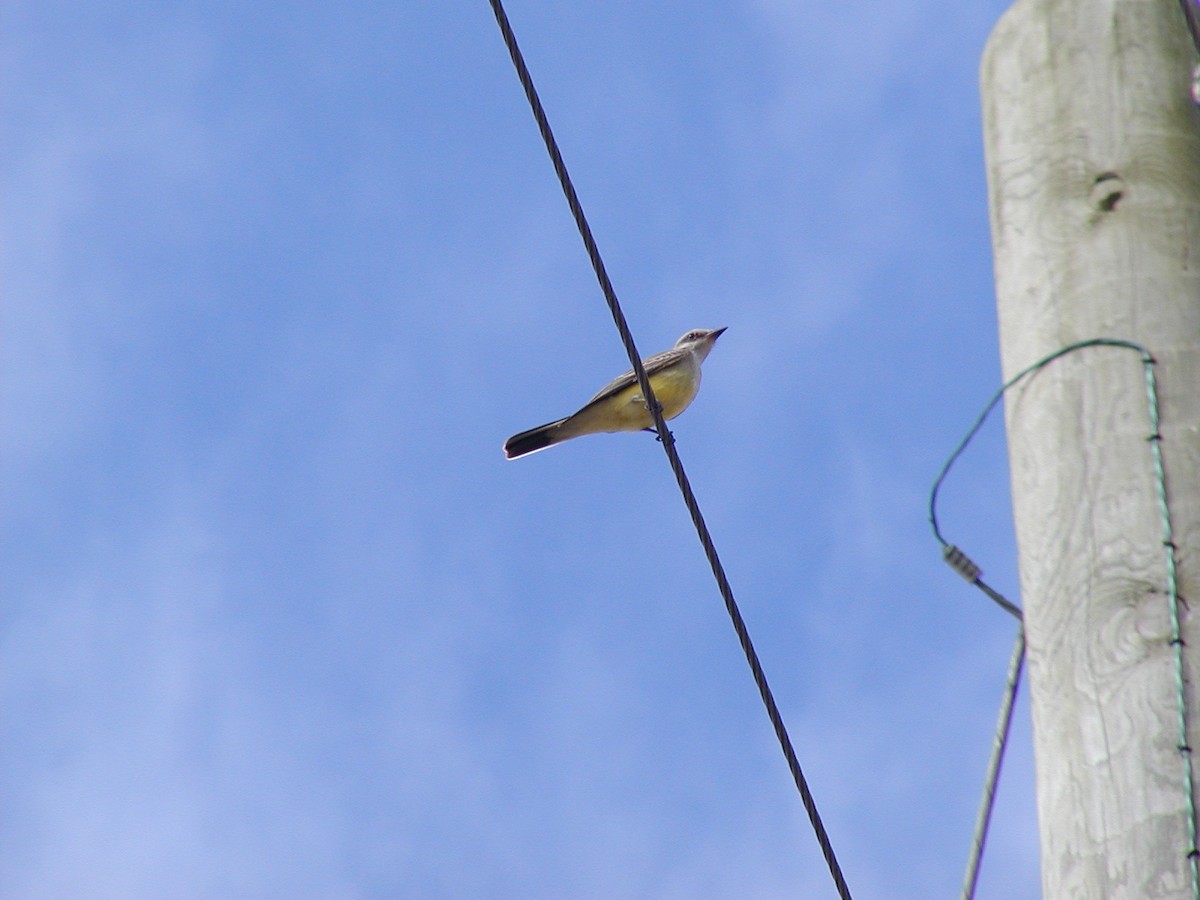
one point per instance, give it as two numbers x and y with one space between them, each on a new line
1093 156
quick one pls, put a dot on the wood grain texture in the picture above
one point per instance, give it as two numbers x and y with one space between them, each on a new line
1093 155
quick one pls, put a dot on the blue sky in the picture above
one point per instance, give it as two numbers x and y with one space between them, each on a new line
281 621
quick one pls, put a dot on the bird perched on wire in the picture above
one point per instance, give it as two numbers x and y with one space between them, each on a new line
619 406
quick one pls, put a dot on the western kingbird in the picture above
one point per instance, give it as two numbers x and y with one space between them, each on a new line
674 375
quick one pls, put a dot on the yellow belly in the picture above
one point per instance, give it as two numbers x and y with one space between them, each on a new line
675 388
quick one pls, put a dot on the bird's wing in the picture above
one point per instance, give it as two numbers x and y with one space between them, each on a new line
651 364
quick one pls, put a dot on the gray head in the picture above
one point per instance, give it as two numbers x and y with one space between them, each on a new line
700 340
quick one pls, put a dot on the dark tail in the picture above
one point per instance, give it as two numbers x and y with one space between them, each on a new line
534 439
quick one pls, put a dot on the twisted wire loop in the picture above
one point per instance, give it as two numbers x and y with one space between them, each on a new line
668 443
963 564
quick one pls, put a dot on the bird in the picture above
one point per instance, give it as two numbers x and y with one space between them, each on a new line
619 406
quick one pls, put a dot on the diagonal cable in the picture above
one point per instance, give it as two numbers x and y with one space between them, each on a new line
987 802
668 443
1191 17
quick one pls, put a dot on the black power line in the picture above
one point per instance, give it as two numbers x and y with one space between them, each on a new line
668 443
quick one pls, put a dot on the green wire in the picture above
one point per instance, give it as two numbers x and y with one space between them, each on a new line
1164 509
1168 541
